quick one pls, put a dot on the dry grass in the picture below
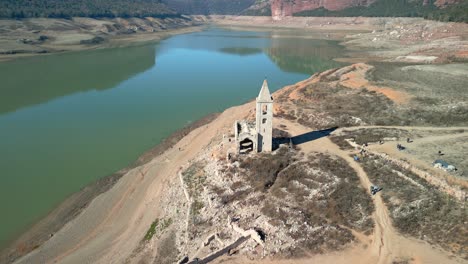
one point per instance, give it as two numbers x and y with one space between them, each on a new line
342 107
194 179
167 250
262 170
157 228
321 194
314 200
438 102
420 210
368 135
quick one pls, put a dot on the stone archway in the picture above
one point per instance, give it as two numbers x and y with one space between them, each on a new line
246 146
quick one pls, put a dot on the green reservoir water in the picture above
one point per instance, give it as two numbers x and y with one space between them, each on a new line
67 120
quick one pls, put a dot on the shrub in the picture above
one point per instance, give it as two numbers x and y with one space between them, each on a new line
423 212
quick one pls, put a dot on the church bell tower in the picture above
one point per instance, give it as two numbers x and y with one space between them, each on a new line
264 120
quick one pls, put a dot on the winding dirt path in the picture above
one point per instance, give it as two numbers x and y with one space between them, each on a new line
381 241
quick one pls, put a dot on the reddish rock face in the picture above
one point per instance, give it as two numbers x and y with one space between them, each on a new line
281 8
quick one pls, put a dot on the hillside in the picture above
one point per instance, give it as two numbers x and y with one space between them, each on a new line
83 8
206 7
436 10
444 10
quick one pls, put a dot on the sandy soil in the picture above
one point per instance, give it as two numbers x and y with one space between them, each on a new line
422 152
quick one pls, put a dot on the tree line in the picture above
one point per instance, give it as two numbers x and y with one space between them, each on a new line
83 8
207 7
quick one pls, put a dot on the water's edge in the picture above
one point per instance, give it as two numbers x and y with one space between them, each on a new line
71 207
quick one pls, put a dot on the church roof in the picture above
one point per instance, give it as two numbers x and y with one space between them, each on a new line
264 95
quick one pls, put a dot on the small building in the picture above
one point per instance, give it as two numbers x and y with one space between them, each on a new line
257 136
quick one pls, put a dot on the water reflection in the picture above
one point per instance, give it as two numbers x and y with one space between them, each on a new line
32 81
292 51
241 51
304 55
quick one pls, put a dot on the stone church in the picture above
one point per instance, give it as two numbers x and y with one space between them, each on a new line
257 136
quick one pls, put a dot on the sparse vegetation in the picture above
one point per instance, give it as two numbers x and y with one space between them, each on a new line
318 194
326 103
196 207
195 179
345 203
321 194
262 170
157 227
167 250
454 150
93 41
399 8
341 107
314 200
152 230
420 210
368 135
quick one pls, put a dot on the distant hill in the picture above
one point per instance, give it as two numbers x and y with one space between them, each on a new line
207 7
84 8
444 10
456 11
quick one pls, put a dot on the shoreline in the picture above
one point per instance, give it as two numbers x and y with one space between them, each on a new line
375 38
78 39
133 202
44 229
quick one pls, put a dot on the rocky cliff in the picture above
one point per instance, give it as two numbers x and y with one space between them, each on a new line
282 8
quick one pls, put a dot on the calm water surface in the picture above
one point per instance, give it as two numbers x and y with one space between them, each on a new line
67 120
